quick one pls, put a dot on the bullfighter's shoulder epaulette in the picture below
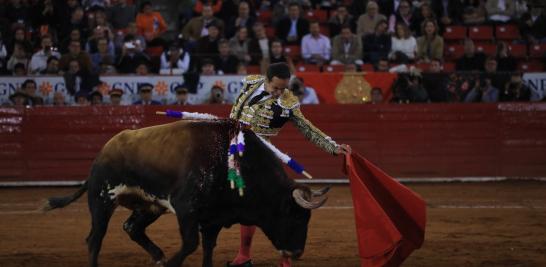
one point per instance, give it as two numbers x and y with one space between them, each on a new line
253 79
288 100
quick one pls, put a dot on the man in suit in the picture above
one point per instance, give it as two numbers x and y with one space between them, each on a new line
244 19
448 11
347 48
198 27
145 94
181 96
292 28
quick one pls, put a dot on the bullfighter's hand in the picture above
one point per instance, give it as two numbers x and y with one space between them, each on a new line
343 149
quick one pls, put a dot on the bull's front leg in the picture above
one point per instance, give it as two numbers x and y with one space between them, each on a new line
209 235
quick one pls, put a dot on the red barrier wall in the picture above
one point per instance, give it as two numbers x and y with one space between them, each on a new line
431 140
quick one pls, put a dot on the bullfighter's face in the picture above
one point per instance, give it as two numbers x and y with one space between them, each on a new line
276 86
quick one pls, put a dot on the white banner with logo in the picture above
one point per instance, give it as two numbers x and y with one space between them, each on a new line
537 83
164 87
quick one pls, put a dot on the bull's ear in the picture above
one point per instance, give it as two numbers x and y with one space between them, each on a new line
305 199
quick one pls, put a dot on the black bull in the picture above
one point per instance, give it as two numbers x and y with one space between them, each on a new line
181 168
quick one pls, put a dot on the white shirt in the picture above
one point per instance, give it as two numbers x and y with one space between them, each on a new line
406 46
38 62
309 96
264 46
257 92
311 45
182 63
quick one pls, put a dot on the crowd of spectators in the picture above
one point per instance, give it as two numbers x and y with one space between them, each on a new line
82 40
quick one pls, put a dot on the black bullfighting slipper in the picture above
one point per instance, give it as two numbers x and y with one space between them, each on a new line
247 263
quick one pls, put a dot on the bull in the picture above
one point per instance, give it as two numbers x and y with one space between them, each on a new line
181 168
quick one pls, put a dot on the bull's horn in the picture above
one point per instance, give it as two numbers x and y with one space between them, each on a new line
302 199
320 192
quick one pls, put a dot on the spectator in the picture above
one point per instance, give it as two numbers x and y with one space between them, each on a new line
120 14
292 28
305 94
499 79
3 54
280 11
19 98
20 37
92 43
403 45
378 44
532 25
19 70
181 96
277 52
207 67
382 65
59 99
259 45
95 98
150 23
75 35
77 80
340 18
430 45
376 96
208 45
30 87
38 62
142 69
17 12
115 96
225 62
474 12
516 90
131 36
448 11
435 82
368 21
102 56
130 58
241 69
483 91
145 95
216 95
425 13
175 58
81 99
347 48
75 52
520 8
404 16
388 7
101 22
19 56
470 61
315 47
506 63
52 66
239 43
500 11
198 27
408 89
243 19
77 21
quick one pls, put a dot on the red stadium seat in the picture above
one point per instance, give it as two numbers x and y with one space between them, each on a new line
264 16
531 66
487 49
449 67
481 33
518 50
454 51
318 15
537 51
367 67
324 29
253 69
335 68
307 68
293 51
507 32
270 32
455 33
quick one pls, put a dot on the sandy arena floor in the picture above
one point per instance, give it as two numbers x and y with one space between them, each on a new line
487 224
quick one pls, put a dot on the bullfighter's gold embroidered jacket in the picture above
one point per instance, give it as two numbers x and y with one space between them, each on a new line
267 117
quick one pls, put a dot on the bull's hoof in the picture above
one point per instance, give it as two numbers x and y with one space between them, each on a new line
247 263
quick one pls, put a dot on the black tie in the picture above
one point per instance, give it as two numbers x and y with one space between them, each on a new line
257 98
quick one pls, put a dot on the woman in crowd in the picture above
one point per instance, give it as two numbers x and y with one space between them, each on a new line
430 45
403 45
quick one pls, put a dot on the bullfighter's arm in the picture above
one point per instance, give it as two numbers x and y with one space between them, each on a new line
312 133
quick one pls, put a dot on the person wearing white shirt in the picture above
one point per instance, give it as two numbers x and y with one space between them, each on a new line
500 10
403 44
315 47
38 62
175 58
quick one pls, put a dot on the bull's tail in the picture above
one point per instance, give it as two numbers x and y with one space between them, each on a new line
61 202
